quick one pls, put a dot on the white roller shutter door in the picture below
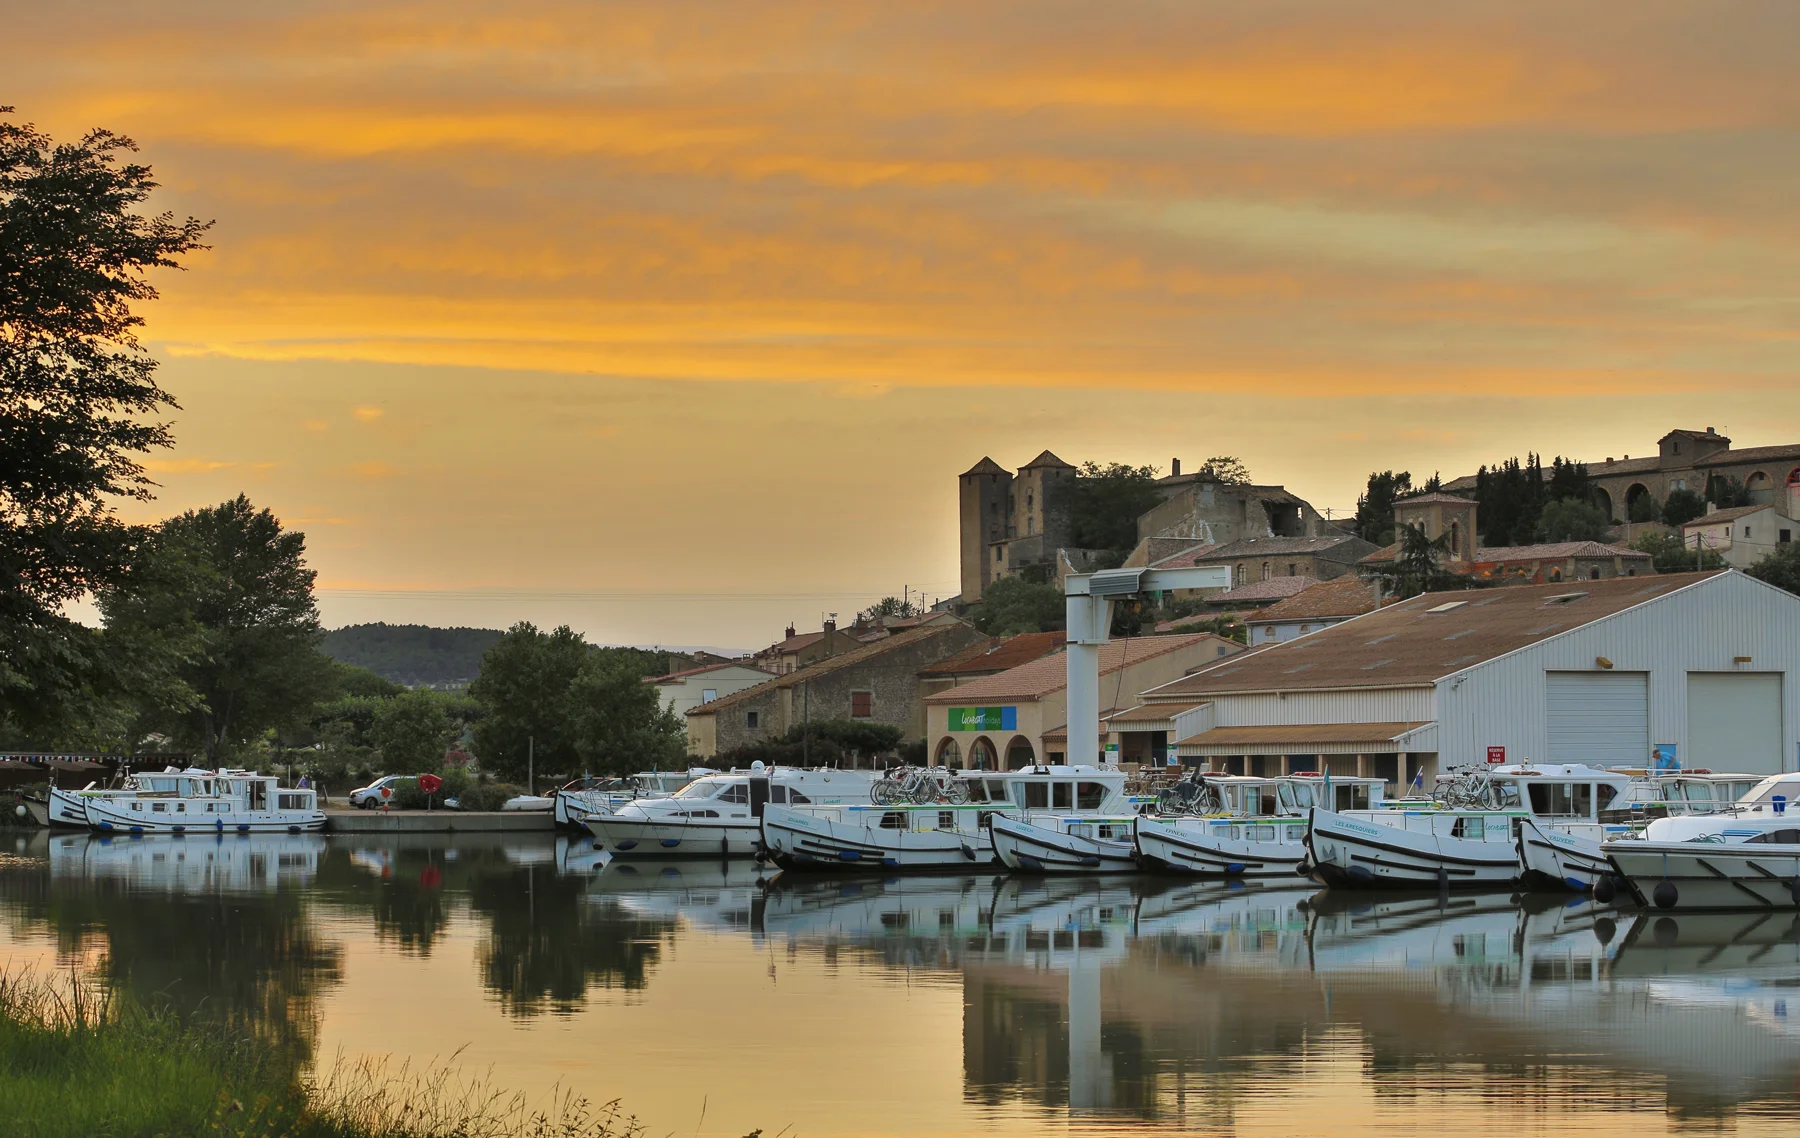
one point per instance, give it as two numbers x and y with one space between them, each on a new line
1734 722
1599 718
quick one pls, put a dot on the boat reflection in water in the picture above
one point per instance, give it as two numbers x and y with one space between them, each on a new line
200 863
1175 1003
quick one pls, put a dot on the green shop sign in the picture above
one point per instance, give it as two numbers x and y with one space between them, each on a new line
984 719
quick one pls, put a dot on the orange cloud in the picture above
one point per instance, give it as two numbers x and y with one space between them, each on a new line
372 470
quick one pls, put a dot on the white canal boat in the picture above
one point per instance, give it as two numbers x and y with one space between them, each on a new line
716 815
948 836
67 809
576 800
1748 858
1412 846
238 802
1258 828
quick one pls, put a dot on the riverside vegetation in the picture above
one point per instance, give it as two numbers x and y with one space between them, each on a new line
76 1063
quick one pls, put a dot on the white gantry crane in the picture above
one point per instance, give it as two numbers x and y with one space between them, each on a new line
1089 599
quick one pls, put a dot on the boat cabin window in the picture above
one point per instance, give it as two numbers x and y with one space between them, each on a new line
737 793
1061 796
794 796
1563 799
893 820
1033 795
1469 828
946 819
1350 796
1260 833
291 801
1089 795
181 808
259 796
1777 837
778 795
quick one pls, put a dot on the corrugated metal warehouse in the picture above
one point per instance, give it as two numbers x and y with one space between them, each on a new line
1698 668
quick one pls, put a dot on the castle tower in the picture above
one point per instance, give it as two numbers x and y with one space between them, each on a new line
982 518
1037 500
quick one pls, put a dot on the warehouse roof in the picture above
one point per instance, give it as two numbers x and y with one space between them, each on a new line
1418 641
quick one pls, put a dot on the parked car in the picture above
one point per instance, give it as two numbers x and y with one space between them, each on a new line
369 797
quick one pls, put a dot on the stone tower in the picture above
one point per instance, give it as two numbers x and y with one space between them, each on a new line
982 517
1440 514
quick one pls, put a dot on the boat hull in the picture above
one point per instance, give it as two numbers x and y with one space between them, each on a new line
1700 876
1348 853
819 843
1026 848
67 811
1552 859
1194 851
637 837
119 818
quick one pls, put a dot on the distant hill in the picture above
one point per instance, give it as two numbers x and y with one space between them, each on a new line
413 654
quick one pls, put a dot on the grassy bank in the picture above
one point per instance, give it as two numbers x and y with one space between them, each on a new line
74 1064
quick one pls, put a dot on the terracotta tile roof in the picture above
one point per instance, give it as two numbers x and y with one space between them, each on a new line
1300 735
1049 674
1750 454
830 664
793 644
1281 546
1719 516
1344 596
1189 621
1274 589
1408 644
1047 459
702 668
1185 559
1428 499
985 466
1512 554
997 654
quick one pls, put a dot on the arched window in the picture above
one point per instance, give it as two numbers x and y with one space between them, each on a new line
981 754
1556 573
949 753
1265 571
1019 753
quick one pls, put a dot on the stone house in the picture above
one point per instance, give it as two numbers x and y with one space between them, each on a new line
1742 536
1325 604
798 650
876 682
685 690
1453 518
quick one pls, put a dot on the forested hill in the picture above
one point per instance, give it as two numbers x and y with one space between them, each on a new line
412 654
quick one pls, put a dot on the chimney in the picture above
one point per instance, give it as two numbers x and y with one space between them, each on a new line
1710 431
1174 468
830 627
790 632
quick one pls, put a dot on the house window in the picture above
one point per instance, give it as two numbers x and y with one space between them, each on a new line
751 718
1746 531
1243 573
1787 535
1305 628
1291 569
707 695
862 704
1265 570
997 550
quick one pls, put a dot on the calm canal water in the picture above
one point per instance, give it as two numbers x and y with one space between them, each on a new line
712 1002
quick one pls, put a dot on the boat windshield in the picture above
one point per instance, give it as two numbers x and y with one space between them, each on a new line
1294 796
702 788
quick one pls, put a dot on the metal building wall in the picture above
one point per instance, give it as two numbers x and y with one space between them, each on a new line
1701 627
1327 705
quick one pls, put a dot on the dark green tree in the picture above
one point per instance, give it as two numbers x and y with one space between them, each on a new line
1644 508
1105 503
1726 492
1013 604
1418 564
1682 506
234 575
1375 509
1225 470
1572 519
524 687
1669 554
79 402
412 731
620 723
1780 568
891 606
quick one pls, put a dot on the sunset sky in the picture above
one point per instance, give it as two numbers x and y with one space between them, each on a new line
676 321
